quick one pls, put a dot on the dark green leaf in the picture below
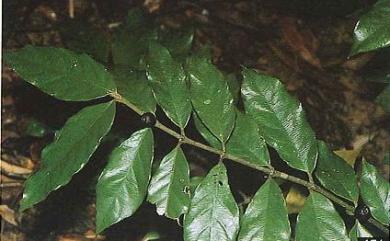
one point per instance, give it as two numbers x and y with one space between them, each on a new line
130 45
135 18
358 231
375 191
266 217
213 213
234 86
82 37
168 81
133 87
61 73
281 119
335 174
70 151
211 97
207 135
169 188
384 99
246 141
319 221
372 31
122 186
386 159
179 42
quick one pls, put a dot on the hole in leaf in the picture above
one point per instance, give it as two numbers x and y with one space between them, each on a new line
220 183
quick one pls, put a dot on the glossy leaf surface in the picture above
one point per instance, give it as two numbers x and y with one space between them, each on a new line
213 213
375 191
246 141
319 221
281 119
61 73
211 97
266 217
70 151
358 231
372 31
133 87
335 174
169 188
168 81
122 186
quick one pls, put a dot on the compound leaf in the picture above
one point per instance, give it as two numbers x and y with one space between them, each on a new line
373 31
168 81
319 221
133 87
281 119
211 97
70 151
335 174
375 192
213 213
61 73
169 188
266 217
122 186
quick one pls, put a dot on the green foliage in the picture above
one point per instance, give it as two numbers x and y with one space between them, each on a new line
372 31
70 151
335 174
213 213
358 231
281 119
170 185
154 66
266 217
210 95
319 221
375 191
61 73
122 186
168 81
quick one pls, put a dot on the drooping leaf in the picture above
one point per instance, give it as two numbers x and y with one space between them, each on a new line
266 218
133 87
82 37
372 31
61 73
122 186
246 141
178 42
130 45
319 221
213 213
211 97
70 151
169 188
358 231
375 192
383 99
335 174
168 81
281 119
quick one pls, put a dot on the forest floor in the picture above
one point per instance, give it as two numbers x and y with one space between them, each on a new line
304 45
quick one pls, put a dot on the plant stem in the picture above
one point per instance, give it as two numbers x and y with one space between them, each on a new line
270 171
